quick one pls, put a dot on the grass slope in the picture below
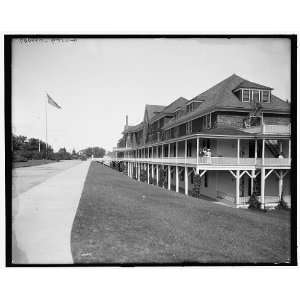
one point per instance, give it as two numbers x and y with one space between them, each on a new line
120 220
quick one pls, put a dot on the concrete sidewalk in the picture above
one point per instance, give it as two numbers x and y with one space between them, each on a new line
43 222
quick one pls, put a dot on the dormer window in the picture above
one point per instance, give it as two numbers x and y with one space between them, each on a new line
193 105
177 113
245 95
265 96
254 95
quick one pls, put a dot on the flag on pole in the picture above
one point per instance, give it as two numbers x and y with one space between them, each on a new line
52 102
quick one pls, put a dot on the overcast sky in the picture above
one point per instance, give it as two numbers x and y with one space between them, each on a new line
98 81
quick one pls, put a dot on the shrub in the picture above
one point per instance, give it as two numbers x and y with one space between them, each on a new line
253 202
36 155
121 167
17 157
143 176
282 204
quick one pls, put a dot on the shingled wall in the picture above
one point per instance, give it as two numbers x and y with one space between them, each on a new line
232 120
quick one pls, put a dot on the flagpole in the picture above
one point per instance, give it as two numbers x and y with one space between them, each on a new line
46 128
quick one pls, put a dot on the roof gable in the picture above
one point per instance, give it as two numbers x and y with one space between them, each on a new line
252 85
152 110
170 109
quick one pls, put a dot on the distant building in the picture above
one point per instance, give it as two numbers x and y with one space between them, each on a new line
243 124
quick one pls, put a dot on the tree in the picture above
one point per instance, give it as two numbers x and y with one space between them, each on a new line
18 142
95 151
63 154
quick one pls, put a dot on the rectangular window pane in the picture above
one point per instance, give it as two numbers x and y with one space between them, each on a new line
265 96
255 96
246 95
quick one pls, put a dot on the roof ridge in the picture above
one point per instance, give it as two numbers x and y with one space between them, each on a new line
233 76
174 101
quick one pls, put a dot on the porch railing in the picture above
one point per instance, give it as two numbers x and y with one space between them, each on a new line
215 161
276 129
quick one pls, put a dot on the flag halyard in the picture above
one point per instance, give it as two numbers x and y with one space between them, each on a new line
52 102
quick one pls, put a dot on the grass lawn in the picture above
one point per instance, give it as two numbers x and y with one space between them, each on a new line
120 220
31 163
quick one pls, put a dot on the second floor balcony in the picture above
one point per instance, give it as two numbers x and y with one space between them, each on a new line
216 162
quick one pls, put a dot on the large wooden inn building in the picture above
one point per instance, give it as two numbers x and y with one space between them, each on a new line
236 136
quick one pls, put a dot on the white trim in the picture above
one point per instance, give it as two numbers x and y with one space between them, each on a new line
202 173
269 173
232 173
255 90
269 97
243 90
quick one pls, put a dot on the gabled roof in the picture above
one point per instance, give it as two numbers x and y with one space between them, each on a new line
252 85
134 128
152 110
170 109
221 96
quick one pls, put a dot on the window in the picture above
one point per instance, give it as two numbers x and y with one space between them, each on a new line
246 96
255 96
176 114
188 127
189 108
265 96
207 121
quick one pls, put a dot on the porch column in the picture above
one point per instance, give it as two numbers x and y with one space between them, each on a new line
139 171
289 149
263 152
185 151
169 150
197 153
280 184
169 177
176 150
262 185
237 188
152 173
177 179
157 176
152 154
252 181
148 173
238 151
255 151
186 181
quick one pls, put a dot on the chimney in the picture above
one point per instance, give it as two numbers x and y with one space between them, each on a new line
126 121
